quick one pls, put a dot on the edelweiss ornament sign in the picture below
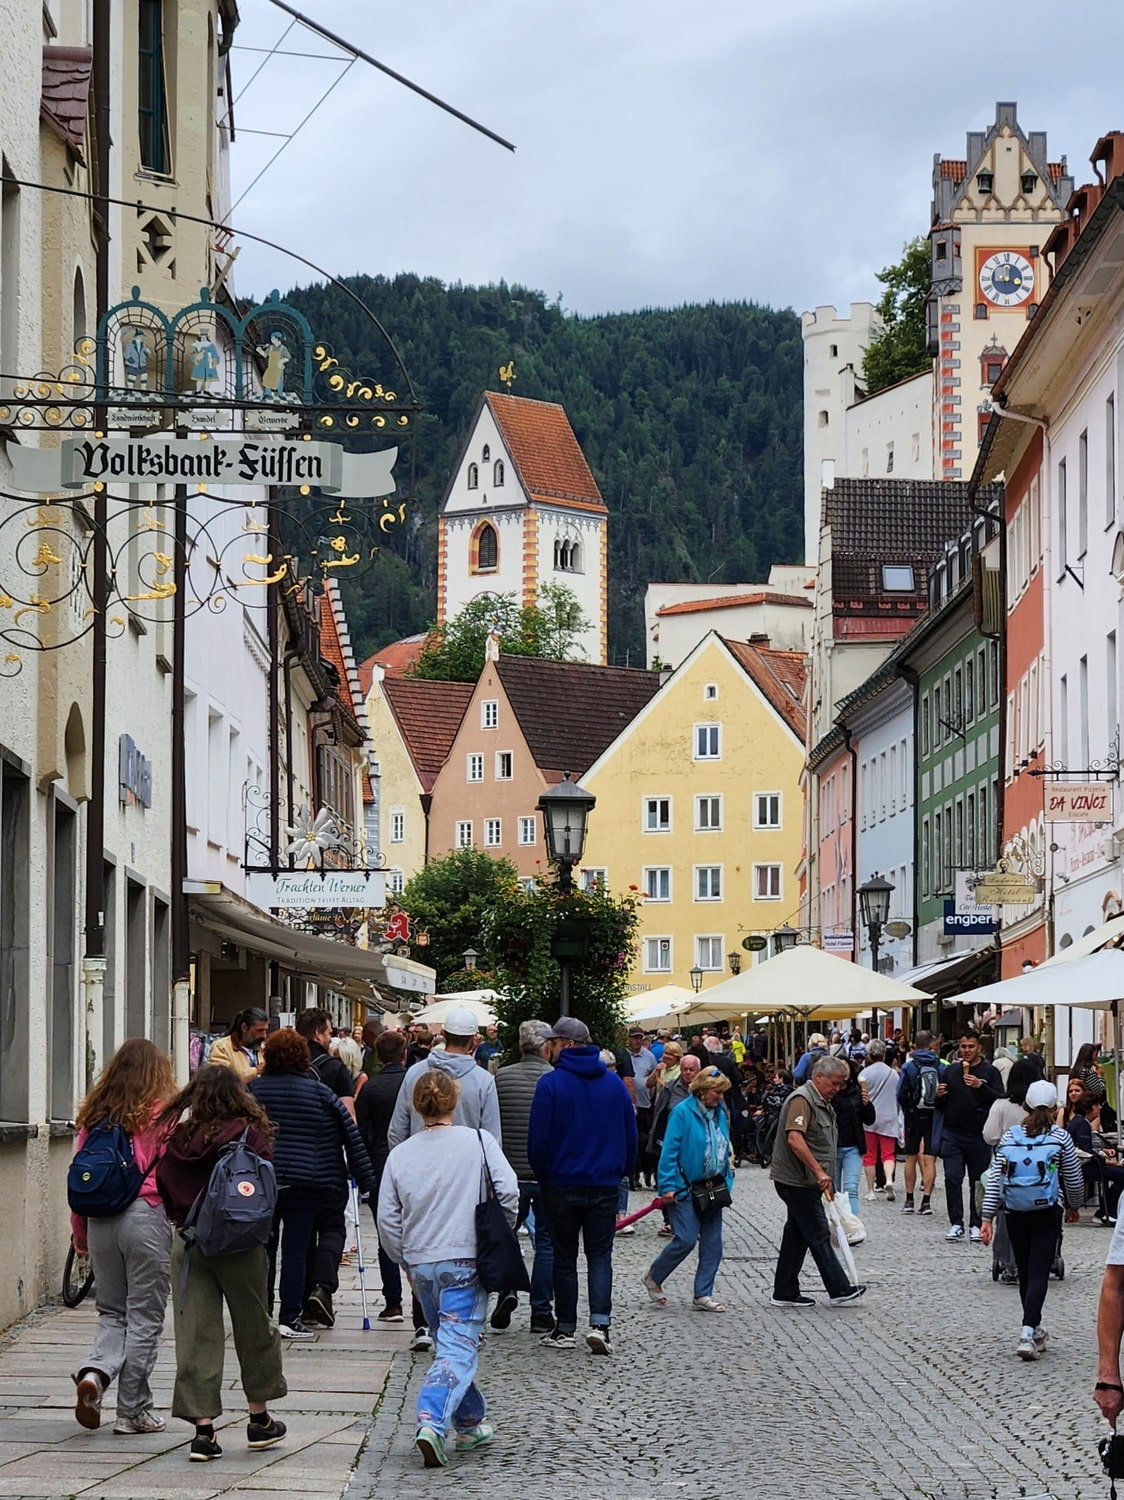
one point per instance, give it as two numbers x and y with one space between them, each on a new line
79 463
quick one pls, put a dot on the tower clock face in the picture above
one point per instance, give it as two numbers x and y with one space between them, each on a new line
1007 278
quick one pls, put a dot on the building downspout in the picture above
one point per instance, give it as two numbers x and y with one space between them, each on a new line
181 917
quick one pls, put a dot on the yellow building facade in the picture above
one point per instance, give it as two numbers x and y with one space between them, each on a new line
699 806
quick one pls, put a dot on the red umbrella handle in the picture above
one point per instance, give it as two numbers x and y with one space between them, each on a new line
640 1212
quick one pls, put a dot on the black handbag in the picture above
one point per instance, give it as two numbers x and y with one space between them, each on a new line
499 1260
710 1193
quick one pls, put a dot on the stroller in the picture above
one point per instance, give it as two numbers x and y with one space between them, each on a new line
1003 1257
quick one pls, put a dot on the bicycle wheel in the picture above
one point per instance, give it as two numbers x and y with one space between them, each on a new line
77 1277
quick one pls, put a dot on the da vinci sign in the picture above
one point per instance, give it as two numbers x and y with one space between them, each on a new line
1078 802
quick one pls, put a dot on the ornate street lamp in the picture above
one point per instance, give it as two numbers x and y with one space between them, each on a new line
874 904
735 961
696 979
783 939
470 956
565 810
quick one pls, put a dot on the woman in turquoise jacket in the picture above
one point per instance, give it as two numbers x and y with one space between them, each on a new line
694 1167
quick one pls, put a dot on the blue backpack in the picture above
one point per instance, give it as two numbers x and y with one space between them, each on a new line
103 1177
1031 1168
234 1212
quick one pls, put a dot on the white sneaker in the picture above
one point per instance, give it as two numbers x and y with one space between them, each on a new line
974 1233
1028 1349
871 1196
955 1232
144 1421
1040 1337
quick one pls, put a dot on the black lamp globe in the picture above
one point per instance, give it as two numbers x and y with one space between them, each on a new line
784 938
874 901
565 811
696 976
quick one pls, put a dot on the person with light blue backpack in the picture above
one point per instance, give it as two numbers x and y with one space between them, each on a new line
1035 1173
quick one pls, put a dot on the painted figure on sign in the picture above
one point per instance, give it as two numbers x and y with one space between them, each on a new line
276 357
136 354
204 362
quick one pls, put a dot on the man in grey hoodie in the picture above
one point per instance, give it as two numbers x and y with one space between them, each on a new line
477 1107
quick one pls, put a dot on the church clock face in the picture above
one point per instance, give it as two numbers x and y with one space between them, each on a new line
1006 278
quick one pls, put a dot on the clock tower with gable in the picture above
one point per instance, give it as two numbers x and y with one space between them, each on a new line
993 210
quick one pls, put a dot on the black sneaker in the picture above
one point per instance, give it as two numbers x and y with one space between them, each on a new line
203 1449
541 1325
318 1307
851 1296
421 1342
798 1301
926 1207
506 1303
264 1434
295 1330
907 1206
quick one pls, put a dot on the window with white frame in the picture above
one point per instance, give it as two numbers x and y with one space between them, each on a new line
766 882
395 882
657 814
708 814
708 953
490 713
475 762
397 833
528 830
493 833
592 879
708 882
505 761
464 835
766 809
657 955
657 882
708 741
710 691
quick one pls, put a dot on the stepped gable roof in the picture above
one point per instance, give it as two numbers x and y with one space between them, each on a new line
733 601
571 712
779 674
897 521
428 715
335 647
545 450
397 658
65 93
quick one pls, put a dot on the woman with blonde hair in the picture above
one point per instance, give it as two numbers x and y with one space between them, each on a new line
431 1184
695 1180
129 1250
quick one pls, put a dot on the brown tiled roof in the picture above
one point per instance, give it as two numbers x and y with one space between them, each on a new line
394 659
570 712
428 715
903 521
779 675
66 92
732 601
958 170
335 647
544 449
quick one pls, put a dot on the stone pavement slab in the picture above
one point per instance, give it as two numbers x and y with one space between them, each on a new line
914 1392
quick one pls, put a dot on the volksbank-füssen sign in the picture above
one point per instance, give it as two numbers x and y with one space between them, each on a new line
80 463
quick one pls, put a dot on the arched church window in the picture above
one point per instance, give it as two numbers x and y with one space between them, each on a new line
497 473
487 454
473 477
487 549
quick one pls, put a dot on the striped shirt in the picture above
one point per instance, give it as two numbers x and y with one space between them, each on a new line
1072 1183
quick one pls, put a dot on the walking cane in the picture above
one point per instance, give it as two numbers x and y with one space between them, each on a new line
355 1205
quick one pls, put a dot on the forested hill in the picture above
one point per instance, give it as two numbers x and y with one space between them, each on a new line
690 420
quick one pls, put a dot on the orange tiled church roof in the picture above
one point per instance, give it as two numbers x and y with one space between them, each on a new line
544 449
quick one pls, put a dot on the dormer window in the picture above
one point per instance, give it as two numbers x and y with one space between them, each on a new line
985 182
497 474
487 454
474 476
897 578
1029 182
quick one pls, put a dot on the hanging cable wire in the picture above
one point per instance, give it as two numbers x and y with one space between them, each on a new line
293 135
270 53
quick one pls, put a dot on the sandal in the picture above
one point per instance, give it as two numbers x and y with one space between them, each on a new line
707 1304
654 1290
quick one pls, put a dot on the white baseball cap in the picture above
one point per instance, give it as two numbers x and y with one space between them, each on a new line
460 1021
1041 1095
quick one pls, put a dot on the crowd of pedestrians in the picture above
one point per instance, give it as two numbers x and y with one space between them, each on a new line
236 1193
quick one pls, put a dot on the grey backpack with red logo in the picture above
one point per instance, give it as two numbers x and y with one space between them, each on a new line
234 1212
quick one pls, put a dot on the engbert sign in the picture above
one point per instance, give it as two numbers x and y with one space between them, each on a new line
1078 802
308 890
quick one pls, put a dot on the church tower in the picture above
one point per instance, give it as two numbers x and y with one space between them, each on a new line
522 509
993 210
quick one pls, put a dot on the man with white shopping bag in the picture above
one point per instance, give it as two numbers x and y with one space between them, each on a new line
803 1170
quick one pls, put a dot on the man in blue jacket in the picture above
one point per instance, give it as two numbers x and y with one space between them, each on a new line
581 1140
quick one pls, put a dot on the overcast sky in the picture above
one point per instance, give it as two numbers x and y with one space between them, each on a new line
774 150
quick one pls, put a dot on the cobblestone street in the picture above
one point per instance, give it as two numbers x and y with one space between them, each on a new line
915 1392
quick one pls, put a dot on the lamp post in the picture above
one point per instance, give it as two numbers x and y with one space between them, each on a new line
784 939
735 961
565 811
874 904
470 956
696 977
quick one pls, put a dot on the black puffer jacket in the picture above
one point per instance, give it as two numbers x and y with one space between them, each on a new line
314 1134
852 1114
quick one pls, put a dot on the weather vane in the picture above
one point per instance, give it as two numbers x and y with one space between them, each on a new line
507 374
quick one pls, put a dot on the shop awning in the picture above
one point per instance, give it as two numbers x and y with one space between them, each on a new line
946 978
322 959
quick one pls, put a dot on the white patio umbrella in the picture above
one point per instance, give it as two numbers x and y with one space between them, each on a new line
807 982
669 996
1108 932
434 1015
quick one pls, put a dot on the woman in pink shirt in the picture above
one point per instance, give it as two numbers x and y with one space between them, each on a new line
129 1251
